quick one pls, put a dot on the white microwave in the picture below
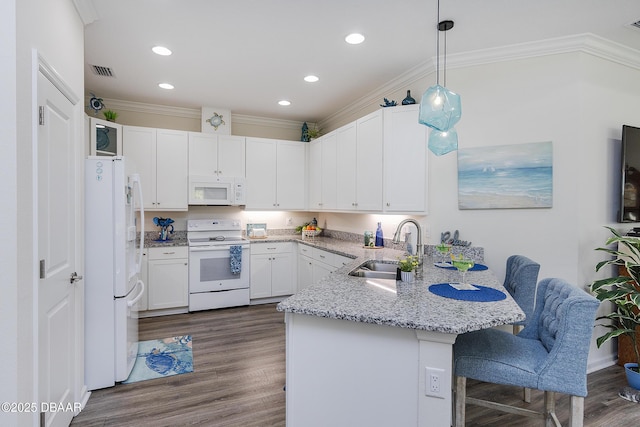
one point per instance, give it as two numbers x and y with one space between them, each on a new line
216 191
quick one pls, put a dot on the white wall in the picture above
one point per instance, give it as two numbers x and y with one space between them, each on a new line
55 30
273 219
577 101
8 217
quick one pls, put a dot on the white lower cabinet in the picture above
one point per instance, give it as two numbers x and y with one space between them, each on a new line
272 271
168 277
314 264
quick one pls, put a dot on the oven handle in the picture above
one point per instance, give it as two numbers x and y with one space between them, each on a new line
214 248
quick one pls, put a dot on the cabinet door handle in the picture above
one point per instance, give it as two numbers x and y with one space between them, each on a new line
168 253
388 204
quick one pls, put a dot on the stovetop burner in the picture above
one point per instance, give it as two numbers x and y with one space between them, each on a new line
202 232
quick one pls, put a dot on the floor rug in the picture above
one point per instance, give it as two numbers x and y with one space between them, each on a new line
162 358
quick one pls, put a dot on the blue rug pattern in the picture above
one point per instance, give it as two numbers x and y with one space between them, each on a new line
162 358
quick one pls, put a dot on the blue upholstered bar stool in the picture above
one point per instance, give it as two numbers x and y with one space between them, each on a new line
521 280
549 354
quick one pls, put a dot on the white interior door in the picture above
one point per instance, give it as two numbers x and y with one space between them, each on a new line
56 251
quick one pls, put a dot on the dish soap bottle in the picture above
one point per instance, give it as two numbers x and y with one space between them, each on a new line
379 238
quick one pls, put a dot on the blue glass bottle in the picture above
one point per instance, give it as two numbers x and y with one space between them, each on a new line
379 238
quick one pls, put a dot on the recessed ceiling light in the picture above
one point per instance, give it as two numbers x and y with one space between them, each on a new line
354 38
166 85
284 103
161 50
311 79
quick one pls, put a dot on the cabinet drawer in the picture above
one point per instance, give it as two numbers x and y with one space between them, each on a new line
341 261
305 250
168 252
270 248
323 256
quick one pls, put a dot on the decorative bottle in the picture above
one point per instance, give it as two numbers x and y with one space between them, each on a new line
379 238
408 100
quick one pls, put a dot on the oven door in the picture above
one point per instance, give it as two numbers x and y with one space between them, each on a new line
210 269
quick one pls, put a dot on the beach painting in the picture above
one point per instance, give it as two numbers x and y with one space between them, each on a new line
506 176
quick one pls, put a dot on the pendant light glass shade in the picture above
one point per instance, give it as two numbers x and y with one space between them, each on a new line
440 109
443 142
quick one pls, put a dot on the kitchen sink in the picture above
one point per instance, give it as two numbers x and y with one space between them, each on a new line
376 270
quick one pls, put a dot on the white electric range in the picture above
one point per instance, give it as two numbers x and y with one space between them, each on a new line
219 264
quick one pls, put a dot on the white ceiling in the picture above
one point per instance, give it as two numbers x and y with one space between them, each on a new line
246 55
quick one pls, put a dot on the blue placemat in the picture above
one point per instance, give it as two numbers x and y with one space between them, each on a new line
483 294
476 267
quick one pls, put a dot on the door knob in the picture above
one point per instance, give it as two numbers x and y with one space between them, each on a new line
74 278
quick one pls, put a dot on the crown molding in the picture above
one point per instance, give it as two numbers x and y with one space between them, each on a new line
403 81
195 113
266 122
585 43
86 10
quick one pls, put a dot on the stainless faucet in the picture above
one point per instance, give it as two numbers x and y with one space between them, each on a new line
419 248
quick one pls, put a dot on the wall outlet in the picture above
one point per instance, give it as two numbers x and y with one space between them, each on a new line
288 221
433 382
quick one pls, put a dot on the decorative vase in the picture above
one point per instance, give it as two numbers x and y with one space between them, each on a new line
408 100
406 276
633 376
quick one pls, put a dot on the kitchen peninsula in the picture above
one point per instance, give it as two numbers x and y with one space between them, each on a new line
377 352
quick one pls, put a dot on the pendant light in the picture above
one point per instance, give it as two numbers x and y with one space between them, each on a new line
440 108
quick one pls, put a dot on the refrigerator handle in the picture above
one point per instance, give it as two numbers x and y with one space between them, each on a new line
136 182
137 298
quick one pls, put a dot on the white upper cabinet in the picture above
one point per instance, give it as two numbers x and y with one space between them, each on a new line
161 159
369 163
329 171
315 174
217 155
377 164
105 138
346 167
291 178
405 160
323 172
359 164
275 172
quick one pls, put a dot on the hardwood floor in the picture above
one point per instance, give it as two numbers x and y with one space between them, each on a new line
239 374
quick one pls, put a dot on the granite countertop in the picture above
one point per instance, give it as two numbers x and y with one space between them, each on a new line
179 238
398 304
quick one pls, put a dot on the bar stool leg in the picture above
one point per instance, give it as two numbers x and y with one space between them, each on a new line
460 397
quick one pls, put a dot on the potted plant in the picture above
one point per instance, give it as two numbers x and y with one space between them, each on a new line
314 133
407 265
110 115
624 293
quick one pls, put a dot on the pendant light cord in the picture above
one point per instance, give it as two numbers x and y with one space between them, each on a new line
444 74
438 45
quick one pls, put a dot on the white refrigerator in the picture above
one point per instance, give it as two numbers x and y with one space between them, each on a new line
113 256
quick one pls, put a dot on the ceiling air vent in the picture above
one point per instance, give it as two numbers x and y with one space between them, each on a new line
102 71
